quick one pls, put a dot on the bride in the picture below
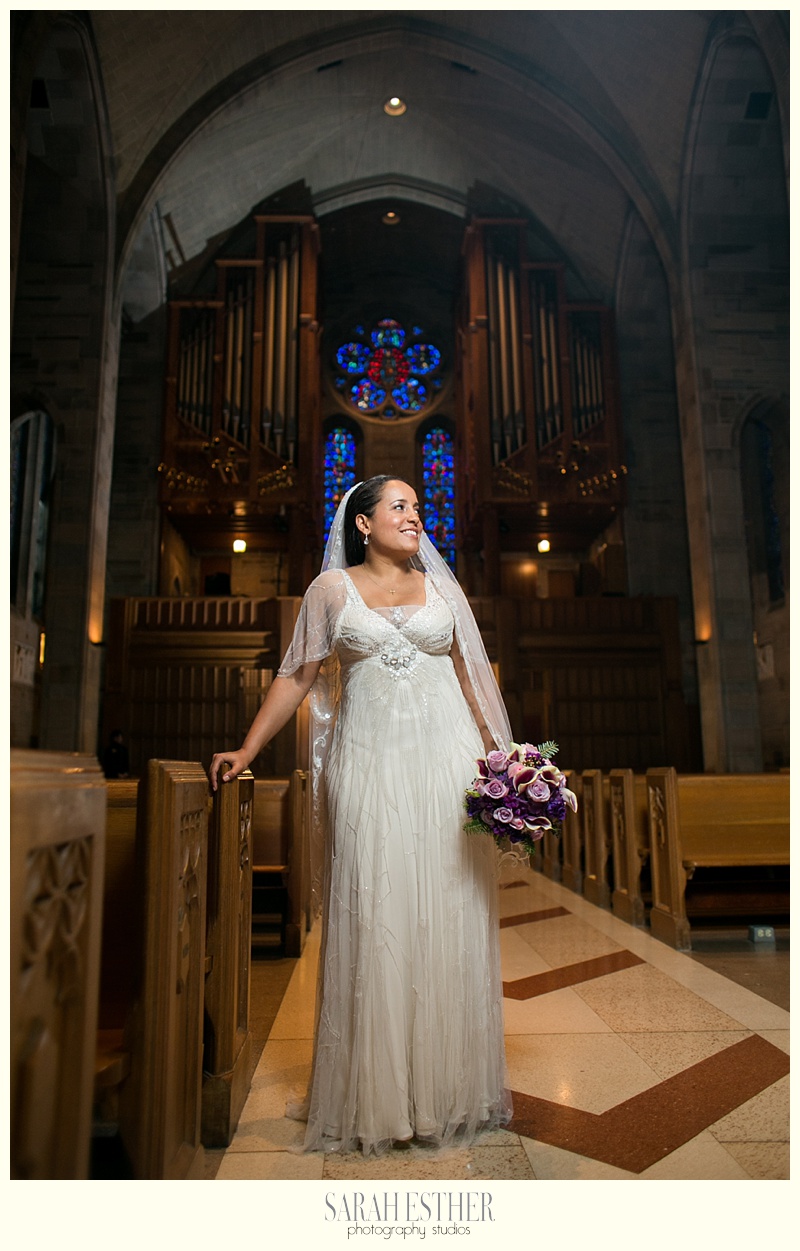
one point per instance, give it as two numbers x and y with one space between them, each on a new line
409 1033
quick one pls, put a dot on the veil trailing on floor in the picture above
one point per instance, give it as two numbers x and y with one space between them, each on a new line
325 693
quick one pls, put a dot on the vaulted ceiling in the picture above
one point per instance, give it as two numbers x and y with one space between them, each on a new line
572 115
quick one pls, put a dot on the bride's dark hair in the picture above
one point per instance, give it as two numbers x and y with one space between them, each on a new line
364 500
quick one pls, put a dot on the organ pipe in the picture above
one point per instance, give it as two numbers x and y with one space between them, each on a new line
516 371
291 380
269 366
282 319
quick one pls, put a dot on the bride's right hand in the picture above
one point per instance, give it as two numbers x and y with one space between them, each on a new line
236 760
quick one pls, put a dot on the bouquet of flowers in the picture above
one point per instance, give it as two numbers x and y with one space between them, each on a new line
517 795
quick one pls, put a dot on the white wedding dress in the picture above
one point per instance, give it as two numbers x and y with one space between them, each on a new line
409 1037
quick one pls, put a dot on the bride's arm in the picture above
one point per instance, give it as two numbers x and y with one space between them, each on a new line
283 698
469 695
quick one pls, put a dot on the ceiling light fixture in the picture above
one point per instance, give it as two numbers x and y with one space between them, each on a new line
543 545
391 218
239 545
395 107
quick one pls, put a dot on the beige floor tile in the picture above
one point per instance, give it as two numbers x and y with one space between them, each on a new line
555 1164
672 1052
778 1038
269 1166
559 1012
763 1161
419 1163
764 1118
517 958
283 1071
295 1018
530 897
702 1159
566 940
593 1072
643 998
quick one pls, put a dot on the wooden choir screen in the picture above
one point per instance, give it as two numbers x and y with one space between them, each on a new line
185 677
242 404
535 383
602 676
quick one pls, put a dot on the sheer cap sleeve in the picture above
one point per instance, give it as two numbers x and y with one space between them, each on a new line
315 632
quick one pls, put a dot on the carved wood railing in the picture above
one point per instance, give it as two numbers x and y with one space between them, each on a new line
57 836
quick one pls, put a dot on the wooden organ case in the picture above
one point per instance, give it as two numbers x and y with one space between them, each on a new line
537 402
242 408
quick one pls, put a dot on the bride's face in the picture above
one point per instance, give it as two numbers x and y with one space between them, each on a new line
396 525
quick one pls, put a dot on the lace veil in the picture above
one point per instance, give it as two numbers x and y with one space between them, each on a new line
315 643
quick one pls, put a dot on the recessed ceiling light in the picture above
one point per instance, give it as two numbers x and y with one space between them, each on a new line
395 107
391 219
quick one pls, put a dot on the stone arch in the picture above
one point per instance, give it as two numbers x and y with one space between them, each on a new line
63 349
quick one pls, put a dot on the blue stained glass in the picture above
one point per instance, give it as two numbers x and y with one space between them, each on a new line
411 396
438 485
367 396
340 471
388 333
423 358
383 380
353 358
416 332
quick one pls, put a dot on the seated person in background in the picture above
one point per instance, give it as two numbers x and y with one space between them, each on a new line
115 756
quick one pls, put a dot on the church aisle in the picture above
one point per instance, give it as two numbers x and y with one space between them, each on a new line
626 1060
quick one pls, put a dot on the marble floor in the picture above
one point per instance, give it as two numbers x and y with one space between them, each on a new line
626 1060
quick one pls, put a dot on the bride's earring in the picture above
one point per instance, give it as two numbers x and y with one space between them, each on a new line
366 539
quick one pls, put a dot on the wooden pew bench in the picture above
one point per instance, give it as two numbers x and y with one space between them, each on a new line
150 1018
57 844
223 960
227 1041
598 865
630 843
282 890
708 821
572 849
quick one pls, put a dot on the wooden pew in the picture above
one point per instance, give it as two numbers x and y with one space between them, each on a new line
57 837
572 856
597 846
709 821
630 842
151 1037
227 1037
281 835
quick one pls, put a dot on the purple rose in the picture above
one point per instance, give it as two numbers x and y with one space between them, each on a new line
495 789
497 761
517 823
539 791
503 814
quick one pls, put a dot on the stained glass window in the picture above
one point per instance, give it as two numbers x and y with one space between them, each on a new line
340 471
438 491
381 370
